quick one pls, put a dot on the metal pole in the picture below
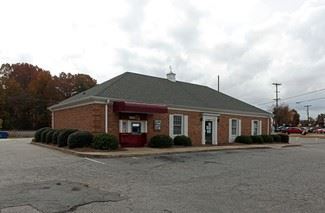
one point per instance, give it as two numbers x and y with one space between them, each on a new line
276 101
307 107
218 83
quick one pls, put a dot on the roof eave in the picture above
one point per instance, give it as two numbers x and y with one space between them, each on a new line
85 100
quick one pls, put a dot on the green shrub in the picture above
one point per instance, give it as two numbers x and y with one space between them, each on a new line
284 138
267 138
105 141
257 139
182 140
161 141
48 137
38 133
43 135
276 138
80 139
63 137
55 136
244 139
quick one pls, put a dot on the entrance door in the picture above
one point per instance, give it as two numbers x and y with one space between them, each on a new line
208 132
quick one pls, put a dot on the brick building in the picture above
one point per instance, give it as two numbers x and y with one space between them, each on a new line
135 107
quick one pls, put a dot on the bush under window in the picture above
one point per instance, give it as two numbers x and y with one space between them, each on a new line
79 139
105 142
182 140
160 141
267 138
257 139
244 139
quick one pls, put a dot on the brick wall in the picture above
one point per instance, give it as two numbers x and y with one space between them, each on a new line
246 126
89 118
92 118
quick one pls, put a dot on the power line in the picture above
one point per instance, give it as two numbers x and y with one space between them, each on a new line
309 100
295 96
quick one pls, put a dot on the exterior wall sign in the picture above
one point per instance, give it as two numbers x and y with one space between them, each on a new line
157 125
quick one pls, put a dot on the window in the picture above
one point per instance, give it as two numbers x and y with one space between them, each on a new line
136 127
129 126
234 127
177 124
255 127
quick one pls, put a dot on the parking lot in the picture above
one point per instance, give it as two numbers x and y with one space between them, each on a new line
36 179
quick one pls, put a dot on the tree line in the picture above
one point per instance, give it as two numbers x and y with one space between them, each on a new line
284 115
27 91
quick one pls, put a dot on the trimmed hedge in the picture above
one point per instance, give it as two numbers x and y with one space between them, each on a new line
276 138
43 135
79 139
38 133
182 140
160 141
105 141
244 139
257 139
48 137
284 138
267 138
63 137
55 136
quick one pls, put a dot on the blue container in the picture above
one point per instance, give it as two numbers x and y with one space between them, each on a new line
3 134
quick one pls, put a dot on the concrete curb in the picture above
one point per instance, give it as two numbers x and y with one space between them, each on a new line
153 152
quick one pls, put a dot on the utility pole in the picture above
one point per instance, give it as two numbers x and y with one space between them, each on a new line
276 94
307 107
276 119
218 83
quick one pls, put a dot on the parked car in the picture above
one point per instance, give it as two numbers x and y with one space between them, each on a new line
280 129
4 134
320 131
294 130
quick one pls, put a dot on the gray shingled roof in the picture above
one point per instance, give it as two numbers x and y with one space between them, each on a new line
147 89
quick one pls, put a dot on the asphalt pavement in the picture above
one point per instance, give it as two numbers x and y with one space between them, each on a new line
35 179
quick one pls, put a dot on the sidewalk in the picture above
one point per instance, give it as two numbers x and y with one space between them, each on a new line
147 151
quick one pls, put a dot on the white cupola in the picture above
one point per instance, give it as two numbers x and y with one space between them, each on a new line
171 76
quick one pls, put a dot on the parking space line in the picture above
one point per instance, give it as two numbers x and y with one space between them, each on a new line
96 161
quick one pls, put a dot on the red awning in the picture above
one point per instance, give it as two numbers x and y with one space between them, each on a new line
122 106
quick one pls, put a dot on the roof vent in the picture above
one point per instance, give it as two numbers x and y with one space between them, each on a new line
171 76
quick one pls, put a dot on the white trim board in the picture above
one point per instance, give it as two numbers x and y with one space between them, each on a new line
214 120
220 112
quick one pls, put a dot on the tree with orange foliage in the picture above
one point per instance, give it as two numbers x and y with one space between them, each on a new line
27 90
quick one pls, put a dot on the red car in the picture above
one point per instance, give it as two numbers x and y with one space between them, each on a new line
293 130
320 131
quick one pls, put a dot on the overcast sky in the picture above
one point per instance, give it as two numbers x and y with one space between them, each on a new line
250 43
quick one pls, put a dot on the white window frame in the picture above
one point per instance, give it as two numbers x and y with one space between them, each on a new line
238 129
144 128
259 127
184 127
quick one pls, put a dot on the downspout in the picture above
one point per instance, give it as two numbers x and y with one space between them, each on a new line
52 123
106 116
